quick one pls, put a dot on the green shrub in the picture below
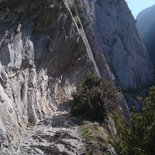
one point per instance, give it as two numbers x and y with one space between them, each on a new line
138 136
94 98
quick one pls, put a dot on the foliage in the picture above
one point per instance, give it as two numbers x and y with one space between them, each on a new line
94 98
138 136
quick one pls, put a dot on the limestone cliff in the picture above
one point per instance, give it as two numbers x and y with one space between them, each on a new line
47 46
110 29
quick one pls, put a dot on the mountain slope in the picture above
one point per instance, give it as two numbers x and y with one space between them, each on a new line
145 26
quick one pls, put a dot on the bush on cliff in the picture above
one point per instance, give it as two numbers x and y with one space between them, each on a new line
94 98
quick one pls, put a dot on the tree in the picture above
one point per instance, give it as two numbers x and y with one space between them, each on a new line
94 98
137 137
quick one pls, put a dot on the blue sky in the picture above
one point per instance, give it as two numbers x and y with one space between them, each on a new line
138 5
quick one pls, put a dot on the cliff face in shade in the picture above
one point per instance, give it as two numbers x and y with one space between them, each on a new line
111 29
145 26
46 47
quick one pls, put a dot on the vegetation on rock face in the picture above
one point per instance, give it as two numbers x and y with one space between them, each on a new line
138 136
94 98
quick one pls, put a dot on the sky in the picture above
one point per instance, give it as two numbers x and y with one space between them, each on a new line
137 6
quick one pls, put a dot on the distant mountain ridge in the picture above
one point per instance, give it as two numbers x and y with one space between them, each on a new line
145 26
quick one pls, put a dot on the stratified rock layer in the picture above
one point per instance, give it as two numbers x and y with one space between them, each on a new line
44 52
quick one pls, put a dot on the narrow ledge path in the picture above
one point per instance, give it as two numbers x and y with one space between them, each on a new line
54 136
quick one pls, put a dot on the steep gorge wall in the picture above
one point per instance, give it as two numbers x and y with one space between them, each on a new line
42 56
44 52
112 34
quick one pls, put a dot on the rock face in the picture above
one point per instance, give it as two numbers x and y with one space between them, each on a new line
43 55
145 26
46 47
110 29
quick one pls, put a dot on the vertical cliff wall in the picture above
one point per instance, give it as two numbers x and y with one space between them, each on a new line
110 29
43 54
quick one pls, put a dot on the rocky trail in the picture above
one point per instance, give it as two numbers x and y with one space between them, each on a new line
55 136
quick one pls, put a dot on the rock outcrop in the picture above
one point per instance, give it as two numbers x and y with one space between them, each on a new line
46 47
145 26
